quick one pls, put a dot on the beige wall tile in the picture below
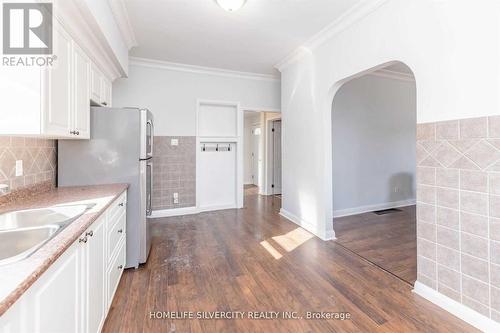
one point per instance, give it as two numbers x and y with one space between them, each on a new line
474 181
495 274
474 245
476 306
495 229
474 224
447 177
475 290
473 128
426 194
447 198
495 206
39 166
448 257
454 295
449 278
447 130
448 217
448 237
495 252
494 127
483 154
495 298
426 131
426 213
175 172
426 249
475 267
446 154
426 231
494 181
431 283
472 202
426 267
426 175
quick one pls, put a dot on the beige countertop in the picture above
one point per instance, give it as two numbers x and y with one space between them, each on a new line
16 278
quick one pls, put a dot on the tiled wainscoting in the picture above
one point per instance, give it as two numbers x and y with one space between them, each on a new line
458 211
174 172
39 162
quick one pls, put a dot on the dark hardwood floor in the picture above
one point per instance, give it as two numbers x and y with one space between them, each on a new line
254 260
388 241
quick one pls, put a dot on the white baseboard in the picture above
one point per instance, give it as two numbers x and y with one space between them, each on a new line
468 315
306 225
371 208
220 207
188 211
174 212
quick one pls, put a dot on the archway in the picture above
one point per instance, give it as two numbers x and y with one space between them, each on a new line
374 167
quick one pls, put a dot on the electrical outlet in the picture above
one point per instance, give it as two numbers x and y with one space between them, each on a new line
176 198
174 142
19 168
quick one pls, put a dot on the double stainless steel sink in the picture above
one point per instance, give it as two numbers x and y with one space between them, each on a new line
23 232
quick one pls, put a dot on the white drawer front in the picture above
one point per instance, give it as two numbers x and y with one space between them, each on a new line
118 206
116 232
114 273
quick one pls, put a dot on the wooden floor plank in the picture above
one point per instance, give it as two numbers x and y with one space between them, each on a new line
217 262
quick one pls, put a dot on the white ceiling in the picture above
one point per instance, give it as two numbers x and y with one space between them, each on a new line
254 39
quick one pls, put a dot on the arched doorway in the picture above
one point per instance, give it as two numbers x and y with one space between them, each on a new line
374 168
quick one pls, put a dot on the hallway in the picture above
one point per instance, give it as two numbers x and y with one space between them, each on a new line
254 260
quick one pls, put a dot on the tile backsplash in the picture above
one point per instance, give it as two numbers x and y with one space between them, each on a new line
174 171
39 162
458 211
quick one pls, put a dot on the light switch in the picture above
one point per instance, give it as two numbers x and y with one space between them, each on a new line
19 168
174 142
176 198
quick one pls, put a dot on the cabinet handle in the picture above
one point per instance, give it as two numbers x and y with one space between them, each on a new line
120 231
90 233
120 267
104 103
120 204
83 240
71 132
77 132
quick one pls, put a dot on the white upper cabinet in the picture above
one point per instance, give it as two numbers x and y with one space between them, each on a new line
57 111
100 87
53 101
81 81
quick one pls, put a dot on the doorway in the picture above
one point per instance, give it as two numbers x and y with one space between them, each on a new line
262 152
374 169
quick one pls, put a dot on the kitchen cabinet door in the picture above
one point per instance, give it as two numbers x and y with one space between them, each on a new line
106 92
57 90
81 81
55 300
95 267
95 84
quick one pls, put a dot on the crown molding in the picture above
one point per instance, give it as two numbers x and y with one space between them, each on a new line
173 66
388 74
122 18
352 16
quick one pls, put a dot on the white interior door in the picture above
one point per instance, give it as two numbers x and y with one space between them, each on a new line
277 157
256 162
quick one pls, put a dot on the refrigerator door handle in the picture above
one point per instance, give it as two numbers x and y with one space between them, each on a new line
149 123
149 209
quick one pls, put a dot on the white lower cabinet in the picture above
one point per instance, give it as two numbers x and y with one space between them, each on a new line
76 292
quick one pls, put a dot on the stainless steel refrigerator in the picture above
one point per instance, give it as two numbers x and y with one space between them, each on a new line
120 150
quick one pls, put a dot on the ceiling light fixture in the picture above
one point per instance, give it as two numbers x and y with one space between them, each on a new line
231 5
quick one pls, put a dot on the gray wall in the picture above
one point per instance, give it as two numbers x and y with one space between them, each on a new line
374 140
